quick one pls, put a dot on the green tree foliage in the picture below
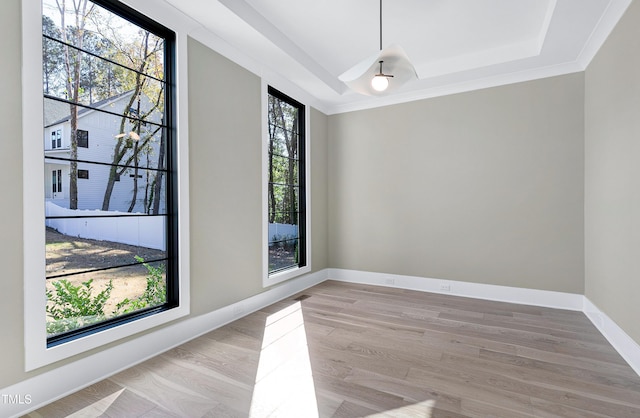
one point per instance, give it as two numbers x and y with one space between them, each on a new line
99 79
283 162
51 52
154 294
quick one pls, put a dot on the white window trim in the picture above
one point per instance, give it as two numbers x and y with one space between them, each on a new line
270 280
35 336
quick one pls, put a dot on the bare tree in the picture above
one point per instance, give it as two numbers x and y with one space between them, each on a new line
128 147
157 182
72 59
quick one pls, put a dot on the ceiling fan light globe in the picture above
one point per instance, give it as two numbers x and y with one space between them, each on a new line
380 83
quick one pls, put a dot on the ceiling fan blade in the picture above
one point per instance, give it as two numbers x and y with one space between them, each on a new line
396 63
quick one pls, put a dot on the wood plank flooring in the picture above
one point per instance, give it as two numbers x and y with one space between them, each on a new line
347 350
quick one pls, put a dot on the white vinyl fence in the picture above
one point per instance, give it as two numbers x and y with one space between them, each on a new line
282 230
142 231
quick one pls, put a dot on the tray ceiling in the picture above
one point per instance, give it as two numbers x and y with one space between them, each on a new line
455 45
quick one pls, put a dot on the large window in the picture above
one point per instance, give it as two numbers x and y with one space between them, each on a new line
286 185
111 238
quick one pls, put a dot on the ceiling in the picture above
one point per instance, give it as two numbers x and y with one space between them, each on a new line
454 45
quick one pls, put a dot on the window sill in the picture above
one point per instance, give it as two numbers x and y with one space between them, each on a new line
285 275
38 355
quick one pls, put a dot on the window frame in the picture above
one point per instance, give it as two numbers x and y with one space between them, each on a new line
281 276
83 174
56 181
83 140
37 352
56 139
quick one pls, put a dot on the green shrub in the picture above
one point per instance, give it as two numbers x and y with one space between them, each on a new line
73 306
154 294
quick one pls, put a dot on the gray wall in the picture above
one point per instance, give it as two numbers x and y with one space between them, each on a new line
11 308
612 176
225 180
485 187
319 191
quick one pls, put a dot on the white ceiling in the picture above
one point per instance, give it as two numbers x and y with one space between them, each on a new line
455 45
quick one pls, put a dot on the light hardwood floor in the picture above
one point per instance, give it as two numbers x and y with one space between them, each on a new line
346 350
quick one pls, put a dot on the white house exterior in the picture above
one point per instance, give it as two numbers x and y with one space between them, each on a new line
97 138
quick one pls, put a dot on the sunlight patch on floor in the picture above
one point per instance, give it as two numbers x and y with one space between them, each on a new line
97 408
284 381
417 410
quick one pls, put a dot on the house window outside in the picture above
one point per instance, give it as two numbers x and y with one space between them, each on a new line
56 179
83 138
56 139
87 294
286 190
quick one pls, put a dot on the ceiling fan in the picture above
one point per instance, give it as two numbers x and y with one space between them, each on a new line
382 72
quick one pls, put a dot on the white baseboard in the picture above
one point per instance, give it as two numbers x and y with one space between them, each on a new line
624 345
546 298
47 387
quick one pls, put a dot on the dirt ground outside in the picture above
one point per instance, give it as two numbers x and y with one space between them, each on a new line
66 254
